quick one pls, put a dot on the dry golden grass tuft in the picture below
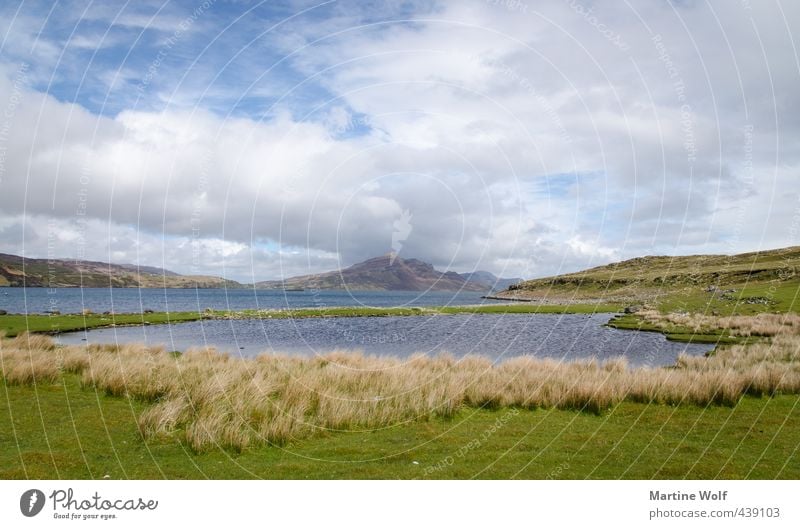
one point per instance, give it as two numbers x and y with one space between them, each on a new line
214 399
764 324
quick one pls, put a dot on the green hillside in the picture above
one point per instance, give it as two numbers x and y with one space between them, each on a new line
744 283
16 271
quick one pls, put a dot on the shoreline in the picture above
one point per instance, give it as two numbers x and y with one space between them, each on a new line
555 301
54 324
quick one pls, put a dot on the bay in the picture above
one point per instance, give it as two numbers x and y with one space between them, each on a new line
121 300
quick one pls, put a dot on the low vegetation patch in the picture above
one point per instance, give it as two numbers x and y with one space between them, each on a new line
702 328
210 399
764 324
14 324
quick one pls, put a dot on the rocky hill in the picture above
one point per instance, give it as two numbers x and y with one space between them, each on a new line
491 281
383 273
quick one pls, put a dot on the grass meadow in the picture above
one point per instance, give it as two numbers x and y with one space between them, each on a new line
62 430
208 400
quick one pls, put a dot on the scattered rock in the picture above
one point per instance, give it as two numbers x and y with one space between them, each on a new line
757 300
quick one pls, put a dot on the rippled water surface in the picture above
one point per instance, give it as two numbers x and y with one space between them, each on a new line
567 337
72 300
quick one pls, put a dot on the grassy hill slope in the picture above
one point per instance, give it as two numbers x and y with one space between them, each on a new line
744 283
16 271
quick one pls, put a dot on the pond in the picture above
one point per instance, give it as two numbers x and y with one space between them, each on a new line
497 336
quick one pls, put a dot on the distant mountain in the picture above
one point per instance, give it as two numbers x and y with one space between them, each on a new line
491 281
382 273
16 271
379 273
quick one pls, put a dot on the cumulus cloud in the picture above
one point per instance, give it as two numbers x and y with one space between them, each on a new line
526 141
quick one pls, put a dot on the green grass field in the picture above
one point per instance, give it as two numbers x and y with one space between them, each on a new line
63 431
14 324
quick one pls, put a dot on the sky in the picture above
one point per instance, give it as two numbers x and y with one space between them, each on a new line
259 140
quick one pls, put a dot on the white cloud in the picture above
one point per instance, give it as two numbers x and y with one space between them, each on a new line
454 118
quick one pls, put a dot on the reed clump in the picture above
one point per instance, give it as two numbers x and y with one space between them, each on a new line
217 400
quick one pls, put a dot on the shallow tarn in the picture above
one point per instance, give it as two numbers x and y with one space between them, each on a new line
497 336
